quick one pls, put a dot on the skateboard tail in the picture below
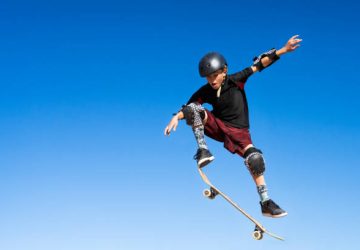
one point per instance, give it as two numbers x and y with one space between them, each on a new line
260 227
274 235
258 224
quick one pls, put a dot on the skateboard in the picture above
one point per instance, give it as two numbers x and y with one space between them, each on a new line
212 192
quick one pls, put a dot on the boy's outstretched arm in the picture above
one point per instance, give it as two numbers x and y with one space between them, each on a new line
265 61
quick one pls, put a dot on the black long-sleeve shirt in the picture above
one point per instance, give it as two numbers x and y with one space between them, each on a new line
231 106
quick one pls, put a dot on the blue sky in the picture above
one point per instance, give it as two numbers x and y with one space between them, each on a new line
87 87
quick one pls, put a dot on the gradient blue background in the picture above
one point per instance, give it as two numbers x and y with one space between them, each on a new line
87 87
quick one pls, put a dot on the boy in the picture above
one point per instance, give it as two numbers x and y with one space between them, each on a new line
228 122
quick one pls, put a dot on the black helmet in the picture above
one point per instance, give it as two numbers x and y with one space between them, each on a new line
210 63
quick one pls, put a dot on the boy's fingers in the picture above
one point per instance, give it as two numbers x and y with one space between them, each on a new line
166 131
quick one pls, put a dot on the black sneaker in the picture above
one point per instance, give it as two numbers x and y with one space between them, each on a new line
203 157
271 209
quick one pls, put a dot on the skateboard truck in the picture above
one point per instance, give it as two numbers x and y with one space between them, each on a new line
210 193
258 233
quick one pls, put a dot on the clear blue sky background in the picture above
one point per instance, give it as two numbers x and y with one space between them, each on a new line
87 87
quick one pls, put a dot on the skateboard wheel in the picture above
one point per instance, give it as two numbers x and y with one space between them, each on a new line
257 235
207 193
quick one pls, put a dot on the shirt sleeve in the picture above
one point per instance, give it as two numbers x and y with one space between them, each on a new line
198 96
241 76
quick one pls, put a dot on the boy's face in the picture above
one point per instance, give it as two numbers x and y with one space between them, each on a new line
216 79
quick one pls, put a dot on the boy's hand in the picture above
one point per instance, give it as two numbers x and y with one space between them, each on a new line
292 44
172 125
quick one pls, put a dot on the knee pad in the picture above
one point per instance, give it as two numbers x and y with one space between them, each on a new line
254 161
194 114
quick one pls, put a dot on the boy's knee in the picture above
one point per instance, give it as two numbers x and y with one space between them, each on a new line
254 161
194 114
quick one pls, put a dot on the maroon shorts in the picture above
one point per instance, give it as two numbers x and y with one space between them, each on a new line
235 139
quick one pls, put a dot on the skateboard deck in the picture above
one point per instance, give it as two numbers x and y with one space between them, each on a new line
213 191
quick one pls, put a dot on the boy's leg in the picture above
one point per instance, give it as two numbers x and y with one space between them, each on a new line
255 162
195 116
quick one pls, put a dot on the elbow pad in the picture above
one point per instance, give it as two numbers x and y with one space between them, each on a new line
271 54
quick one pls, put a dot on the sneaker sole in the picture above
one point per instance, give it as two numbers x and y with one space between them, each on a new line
276 215
203 162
